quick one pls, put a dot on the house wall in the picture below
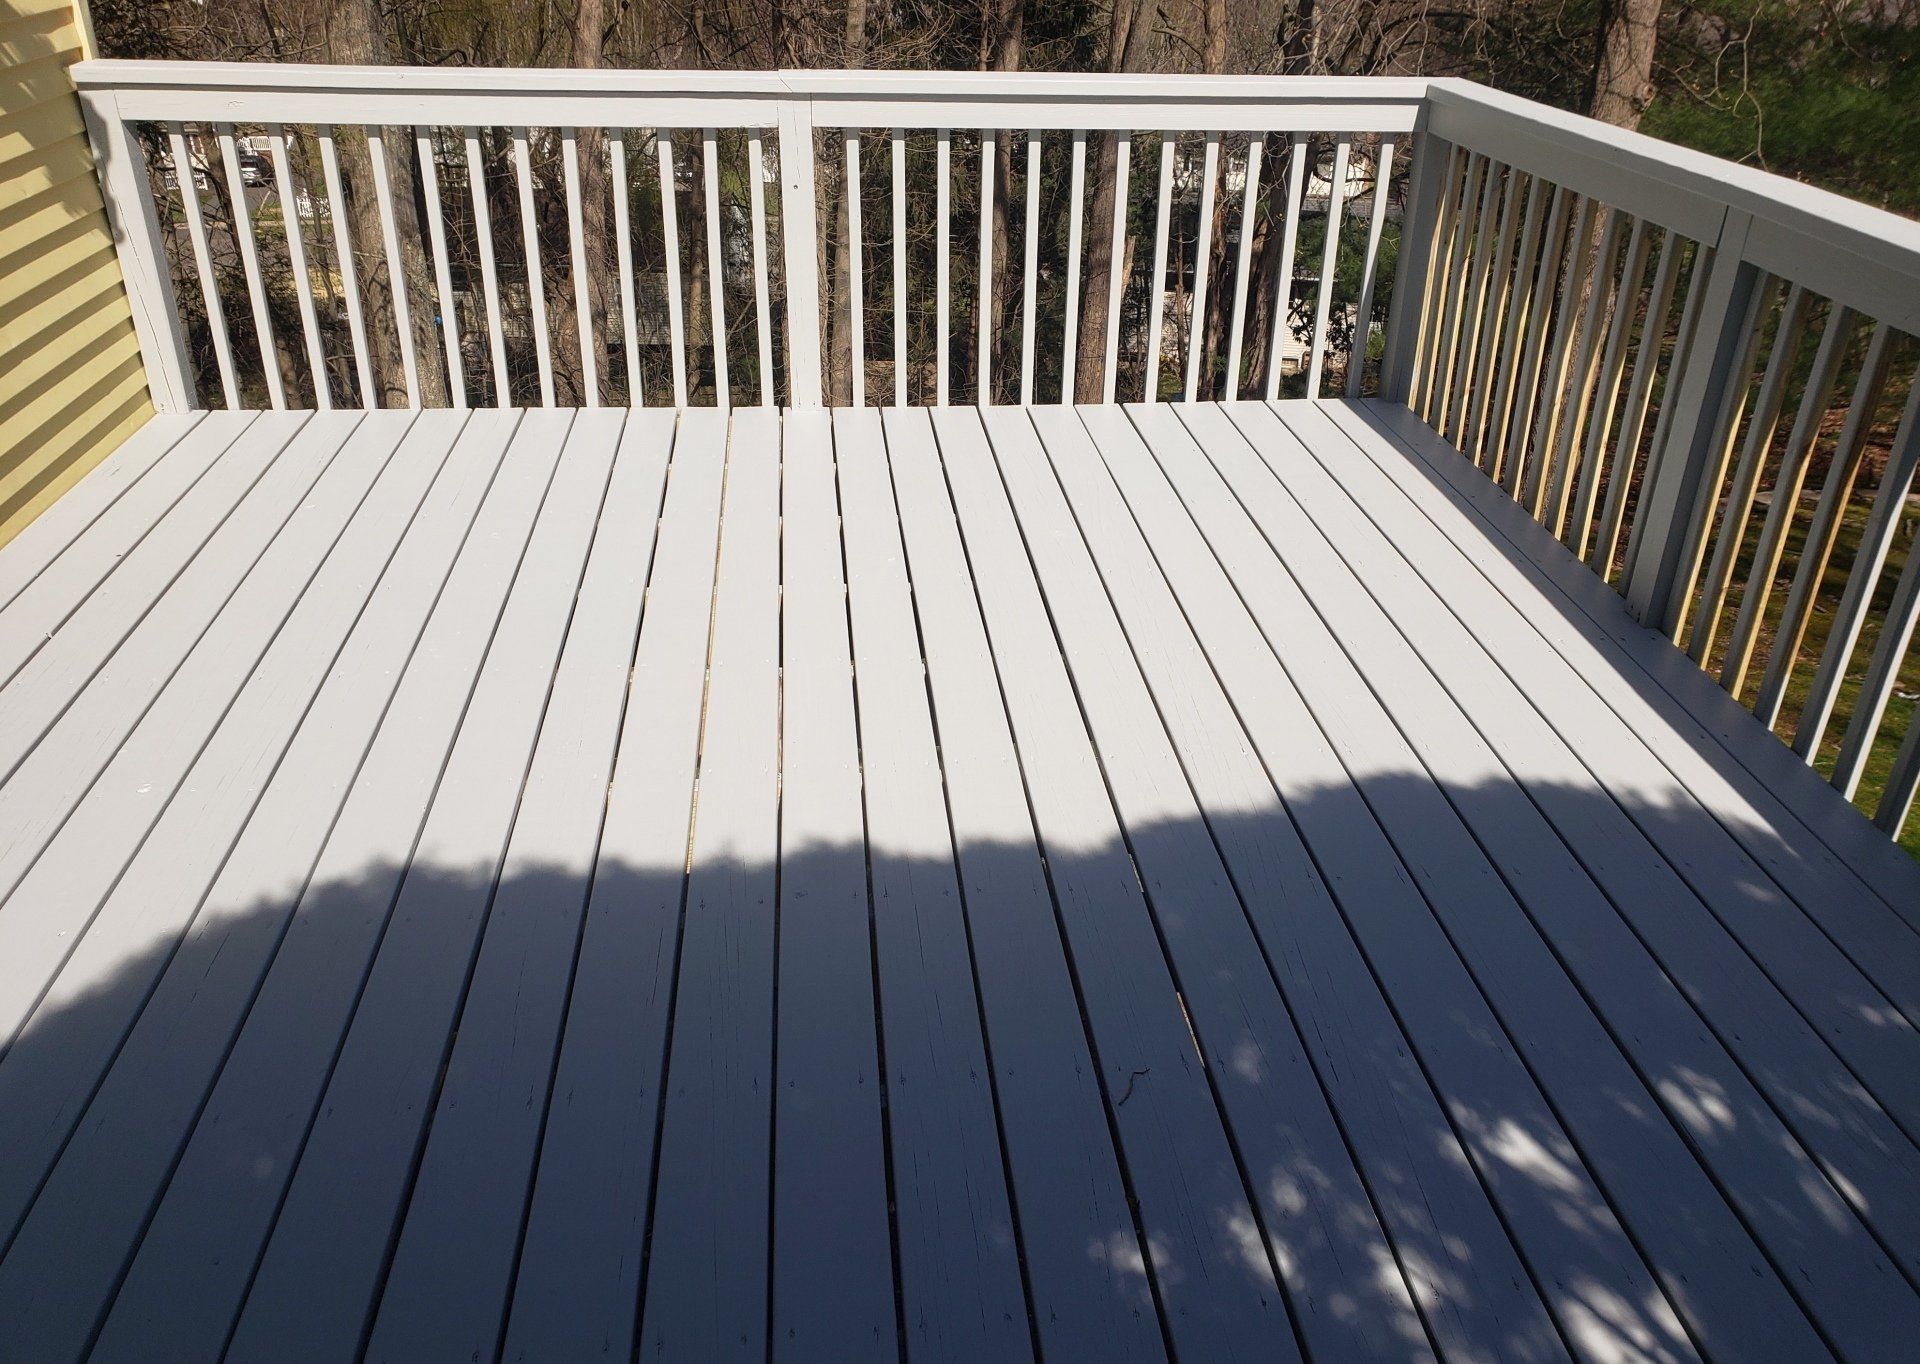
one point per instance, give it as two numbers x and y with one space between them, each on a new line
71 382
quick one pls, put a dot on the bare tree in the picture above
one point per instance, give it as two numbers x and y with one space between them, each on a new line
1623 61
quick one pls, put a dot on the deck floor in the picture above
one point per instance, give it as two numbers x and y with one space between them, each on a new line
1112 884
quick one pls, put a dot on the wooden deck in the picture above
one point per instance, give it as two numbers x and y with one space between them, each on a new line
1111 884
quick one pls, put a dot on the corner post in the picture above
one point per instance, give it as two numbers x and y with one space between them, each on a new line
1421 216
122 168
799 214
1663 551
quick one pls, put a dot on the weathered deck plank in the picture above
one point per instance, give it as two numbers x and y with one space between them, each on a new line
1196 881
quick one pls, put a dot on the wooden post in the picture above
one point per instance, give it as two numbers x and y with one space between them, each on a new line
1663 550
799 203
122 168
1417 243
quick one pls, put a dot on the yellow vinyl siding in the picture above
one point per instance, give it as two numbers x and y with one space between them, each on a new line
71 382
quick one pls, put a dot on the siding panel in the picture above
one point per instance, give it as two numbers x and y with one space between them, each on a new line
74 386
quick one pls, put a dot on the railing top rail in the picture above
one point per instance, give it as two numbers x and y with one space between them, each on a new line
1838 246
293 93
125 75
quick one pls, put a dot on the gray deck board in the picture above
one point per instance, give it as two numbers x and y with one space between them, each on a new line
1202 882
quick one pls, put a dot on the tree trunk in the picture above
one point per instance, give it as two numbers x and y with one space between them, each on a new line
1006 46
588 44
1218 315
356 34
1126 51
1623 61
841 321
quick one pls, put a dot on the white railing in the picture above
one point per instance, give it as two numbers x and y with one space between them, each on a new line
717 207
1613 329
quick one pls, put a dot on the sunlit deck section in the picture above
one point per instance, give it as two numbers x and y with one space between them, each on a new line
1206 880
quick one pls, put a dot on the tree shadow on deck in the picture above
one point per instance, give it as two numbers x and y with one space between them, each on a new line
440 1131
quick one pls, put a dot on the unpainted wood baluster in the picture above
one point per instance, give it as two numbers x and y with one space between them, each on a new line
1515 415
1863 574
1542 472
1824 529
1496 321
1815 399
1633 414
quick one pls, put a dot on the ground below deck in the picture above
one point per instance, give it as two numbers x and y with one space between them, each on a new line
1202 881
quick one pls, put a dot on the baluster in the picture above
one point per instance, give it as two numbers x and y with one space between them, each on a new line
443 281
1369 270
1202 258
623 252
582 292
536 267
1157 281
1329 260
349 273
1249 206
1289 239
1031 248
250 266
489 278
1116 263
670 244
1076 191
757 198
203 261
942 212
899 267
983 345
856 282
396 270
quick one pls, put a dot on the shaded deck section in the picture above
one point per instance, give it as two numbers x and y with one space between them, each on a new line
1208 882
